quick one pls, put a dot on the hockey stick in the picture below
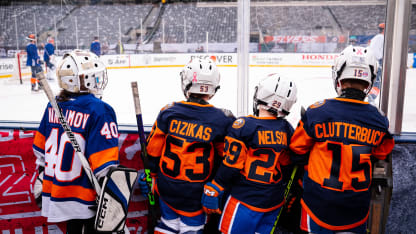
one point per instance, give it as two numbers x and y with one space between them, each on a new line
289 184
85 165
287 190
152 219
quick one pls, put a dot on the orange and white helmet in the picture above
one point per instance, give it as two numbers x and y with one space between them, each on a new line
31 37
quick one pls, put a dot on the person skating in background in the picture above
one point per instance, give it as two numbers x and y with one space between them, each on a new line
377 47
96 46
66 194
33 61
49 58
339 139
256 163
185 148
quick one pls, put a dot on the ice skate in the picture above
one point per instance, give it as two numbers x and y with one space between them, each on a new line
34 88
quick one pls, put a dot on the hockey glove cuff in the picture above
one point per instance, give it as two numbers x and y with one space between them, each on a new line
211 197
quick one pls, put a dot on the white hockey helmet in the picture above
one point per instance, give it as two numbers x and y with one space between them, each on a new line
81 71
200 76
275 94
355 63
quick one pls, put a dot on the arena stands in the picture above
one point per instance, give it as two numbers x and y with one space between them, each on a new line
179 20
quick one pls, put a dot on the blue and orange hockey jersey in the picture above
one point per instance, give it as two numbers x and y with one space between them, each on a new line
32 55
49 51
185 144
256 150
96 47
67 192
338 138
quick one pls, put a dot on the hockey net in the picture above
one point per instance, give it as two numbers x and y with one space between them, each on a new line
21 72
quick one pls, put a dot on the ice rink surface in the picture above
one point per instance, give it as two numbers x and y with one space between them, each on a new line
160 86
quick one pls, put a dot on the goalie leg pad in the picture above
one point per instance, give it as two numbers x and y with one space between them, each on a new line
37 190
114 199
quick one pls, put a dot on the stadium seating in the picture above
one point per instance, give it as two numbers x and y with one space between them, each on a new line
78 24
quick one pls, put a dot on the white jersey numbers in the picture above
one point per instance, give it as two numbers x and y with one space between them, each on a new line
54 155
109 131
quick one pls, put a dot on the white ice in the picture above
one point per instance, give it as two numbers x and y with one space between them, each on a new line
160 86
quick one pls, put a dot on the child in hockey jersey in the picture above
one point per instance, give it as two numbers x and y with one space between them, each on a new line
256 155
48 57
95 46
66 193
33 61
339 138
184 147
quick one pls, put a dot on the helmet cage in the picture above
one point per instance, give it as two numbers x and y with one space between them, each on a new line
83 72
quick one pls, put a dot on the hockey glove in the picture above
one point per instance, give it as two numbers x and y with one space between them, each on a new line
144 186
37 189
38 69
211 198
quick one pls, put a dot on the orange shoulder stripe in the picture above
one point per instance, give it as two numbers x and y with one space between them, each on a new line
39 140
100 158
301 142
155 142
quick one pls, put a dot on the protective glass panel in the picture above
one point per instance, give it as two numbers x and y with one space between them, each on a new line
146 41
300 40
409 109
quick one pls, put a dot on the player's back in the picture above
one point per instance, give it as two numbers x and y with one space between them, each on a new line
193 141
93 123
96 48
32 55
81 112
257 148
346 134
49 51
